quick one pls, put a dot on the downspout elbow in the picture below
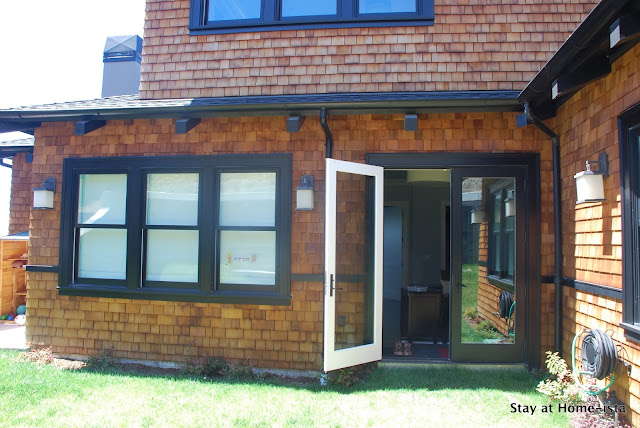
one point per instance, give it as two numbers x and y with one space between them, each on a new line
327 133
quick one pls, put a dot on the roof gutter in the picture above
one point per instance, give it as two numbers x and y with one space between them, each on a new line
557 223
421 102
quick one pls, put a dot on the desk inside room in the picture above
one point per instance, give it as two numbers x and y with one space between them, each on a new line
426 310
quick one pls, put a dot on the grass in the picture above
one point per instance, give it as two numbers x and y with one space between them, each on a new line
469 300
34 395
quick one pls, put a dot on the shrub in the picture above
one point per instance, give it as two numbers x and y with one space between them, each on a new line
487 330
103 360
207 366
350 376
563 385
39 356
470 313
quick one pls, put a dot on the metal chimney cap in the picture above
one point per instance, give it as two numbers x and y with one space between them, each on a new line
123 48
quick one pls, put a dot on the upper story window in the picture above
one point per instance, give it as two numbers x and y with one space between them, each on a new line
227 16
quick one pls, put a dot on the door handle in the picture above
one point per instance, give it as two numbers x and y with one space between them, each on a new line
331 287
461 285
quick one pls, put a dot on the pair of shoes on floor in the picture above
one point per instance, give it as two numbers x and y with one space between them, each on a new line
402 348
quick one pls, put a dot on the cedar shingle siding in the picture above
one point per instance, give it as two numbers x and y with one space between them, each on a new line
473 45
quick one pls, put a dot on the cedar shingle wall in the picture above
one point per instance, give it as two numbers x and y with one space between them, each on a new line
592 233
268 336
473 45
21 194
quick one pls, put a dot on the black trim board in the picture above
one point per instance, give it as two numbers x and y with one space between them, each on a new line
587 287
42 268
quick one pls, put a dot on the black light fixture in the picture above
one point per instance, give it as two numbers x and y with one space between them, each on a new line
589 184
411 122
43 196
294 123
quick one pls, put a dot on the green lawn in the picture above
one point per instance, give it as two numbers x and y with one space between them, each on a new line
469 300
33 395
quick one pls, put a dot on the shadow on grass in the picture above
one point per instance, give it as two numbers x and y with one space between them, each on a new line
381 379
441 377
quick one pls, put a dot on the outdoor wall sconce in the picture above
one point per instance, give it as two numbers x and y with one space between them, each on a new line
305 194
589 184
510 204
478 215
43 196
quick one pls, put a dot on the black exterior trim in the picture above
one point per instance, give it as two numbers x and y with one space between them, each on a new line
629 129
307 277
251 298
595 289
270 19
501 283
208 288
42 268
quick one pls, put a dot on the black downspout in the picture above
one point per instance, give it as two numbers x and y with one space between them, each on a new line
327 132
557 223
2 162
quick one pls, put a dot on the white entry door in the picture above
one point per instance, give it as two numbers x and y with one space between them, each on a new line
353 264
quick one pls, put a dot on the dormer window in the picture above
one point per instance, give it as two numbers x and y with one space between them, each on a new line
229 16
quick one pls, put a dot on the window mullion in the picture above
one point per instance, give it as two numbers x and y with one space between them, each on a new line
206 223
271 10
134 213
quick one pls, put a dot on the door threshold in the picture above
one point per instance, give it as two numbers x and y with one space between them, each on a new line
407 362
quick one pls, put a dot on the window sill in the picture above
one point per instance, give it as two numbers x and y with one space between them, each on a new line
503 284
306 25
631 331
235 297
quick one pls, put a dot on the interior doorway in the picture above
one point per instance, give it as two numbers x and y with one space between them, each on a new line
416 282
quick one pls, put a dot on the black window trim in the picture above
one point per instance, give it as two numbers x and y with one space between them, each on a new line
136 169
629 131
501 279
347 16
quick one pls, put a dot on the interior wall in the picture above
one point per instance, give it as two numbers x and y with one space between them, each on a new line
426 232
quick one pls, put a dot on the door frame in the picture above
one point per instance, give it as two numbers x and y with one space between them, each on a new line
495 353
530 163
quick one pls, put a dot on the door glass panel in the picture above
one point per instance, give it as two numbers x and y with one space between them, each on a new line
488 265
354 287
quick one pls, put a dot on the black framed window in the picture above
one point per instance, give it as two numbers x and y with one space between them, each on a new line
203 228
225 16
502 229
629 142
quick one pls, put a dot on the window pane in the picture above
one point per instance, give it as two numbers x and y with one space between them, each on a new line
304 8
248 199
172 255
102 198
172 199
102 253
247 257
227 10
387 6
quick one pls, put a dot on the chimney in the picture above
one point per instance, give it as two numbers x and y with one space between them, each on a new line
122 58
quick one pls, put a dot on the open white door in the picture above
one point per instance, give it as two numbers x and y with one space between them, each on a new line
353 264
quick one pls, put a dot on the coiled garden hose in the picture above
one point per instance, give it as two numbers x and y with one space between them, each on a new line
513 305
599 356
